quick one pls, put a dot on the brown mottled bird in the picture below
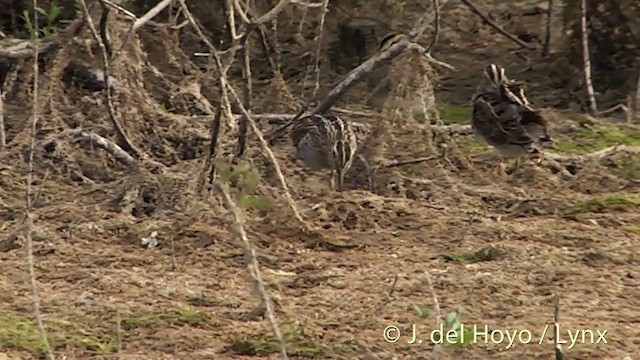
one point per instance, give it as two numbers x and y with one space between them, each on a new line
326 142
503 117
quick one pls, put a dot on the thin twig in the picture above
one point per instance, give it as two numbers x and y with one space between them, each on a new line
436 309
3 136
316 87
389 297
105 64
586 60
253 267
28 219
396 163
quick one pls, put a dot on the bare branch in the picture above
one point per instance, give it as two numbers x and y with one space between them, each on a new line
586 61
122 136
151 14
474 8
253 267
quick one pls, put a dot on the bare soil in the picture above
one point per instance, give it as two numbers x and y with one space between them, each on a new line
497 248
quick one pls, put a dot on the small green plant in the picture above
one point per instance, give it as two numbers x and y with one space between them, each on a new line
250 178
452 332
50 27
487 253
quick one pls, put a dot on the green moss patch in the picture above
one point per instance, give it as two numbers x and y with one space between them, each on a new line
450 114
597 138
613 202
20 332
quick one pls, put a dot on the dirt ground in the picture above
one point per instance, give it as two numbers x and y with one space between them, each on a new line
496 248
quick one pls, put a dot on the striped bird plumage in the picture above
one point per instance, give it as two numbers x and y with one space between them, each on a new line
326 142
504 118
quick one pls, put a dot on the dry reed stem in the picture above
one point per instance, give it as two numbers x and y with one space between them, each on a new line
28 219
253 268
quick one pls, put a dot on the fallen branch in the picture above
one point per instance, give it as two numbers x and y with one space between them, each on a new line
253 267
23 49
106 145
596 155
474 8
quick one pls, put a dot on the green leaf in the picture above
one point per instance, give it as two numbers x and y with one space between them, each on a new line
451 317
422 312
53 13
223 171
251 181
